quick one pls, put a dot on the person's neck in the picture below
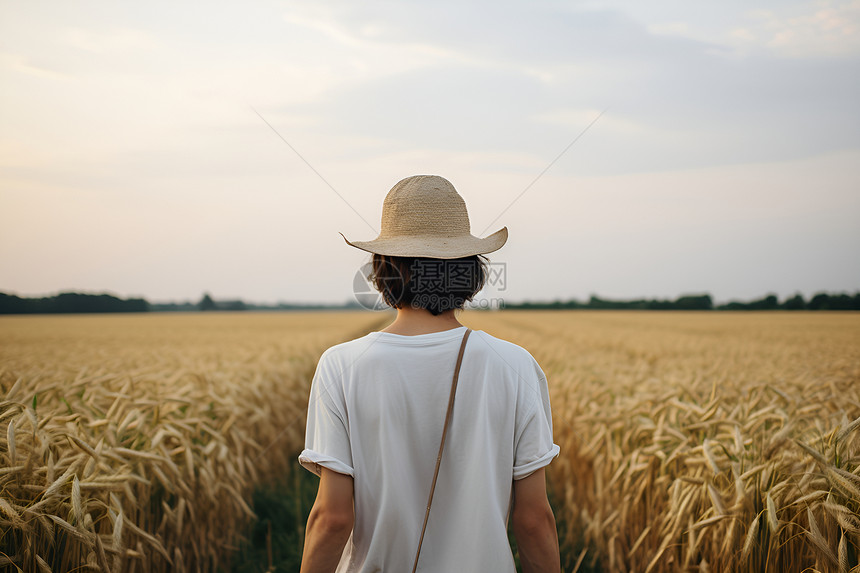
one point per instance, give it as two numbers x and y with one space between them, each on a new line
414 321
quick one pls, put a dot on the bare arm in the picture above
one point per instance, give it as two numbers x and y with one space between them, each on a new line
329 523
534 525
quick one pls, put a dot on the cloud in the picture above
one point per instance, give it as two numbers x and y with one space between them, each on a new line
669 114
516 78
507 34
22 64
822 29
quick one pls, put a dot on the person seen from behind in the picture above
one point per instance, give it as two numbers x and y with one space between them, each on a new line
428 436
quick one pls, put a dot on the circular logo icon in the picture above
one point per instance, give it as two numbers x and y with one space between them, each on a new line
364 290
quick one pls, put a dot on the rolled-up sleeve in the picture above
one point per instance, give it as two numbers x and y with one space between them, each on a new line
534 447
327 434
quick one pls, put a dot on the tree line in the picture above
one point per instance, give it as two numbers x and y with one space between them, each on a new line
72 302
820 301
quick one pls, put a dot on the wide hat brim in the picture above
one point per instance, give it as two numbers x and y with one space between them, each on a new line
434 247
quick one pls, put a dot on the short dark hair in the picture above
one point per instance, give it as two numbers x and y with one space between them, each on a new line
435 285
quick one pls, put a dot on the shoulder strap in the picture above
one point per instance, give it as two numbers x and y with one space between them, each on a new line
442 444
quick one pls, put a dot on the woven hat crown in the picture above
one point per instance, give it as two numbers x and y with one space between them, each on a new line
424 205
424 216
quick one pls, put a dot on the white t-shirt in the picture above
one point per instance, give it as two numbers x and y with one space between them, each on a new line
376 412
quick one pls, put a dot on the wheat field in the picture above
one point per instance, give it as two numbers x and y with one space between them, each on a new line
702 441
134 442
689 441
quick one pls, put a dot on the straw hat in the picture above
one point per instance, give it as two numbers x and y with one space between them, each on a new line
424 216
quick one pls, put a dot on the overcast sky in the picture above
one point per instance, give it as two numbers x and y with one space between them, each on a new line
132 160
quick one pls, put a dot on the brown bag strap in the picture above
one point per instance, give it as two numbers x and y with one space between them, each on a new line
442 444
